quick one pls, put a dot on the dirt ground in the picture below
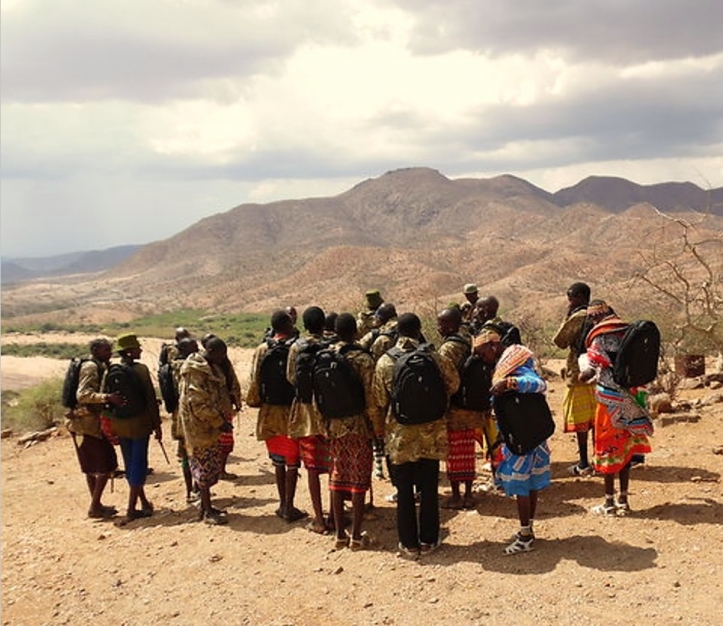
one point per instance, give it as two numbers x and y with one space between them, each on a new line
662 564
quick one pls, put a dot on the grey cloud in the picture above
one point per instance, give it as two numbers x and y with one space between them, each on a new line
619 32
70 52
654 117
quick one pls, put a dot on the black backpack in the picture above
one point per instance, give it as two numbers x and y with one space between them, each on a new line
167 385
275 387
304 369
418 394
636 362
475 382
524 419
581 345
68 395
338 390
163 354
509 333
123 380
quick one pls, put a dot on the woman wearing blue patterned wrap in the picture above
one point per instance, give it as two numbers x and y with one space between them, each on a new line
523 475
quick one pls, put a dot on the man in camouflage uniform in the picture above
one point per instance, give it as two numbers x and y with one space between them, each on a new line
378 340
365 320
384 336
486 318
96 454
305 422
471 295
169 351
350 440
415 450
272 424
461 422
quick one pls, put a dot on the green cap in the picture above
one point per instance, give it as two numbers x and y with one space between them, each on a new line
126 342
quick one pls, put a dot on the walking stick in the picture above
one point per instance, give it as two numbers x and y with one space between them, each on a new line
163 449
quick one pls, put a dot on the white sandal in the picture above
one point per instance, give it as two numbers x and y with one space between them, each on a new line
521 543
605 510
622 508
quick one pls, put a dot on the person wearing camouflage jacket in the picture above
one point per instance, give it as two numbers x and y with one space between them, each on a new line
204 403
415 450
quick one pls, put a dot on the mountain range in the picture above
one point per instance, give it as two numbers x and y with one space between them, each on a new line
413 233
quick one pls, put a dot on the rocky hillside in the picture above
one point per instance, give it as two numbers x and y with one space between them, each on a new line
413 233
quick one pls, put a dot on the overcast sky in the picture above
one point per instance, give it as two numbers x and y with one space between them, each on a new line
126 121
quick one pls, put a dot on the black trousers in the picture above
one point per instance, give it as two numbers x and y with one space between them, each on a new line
424 474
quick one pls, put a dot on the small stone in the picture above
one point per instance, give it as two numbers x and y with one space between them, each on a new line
215 558
676 584
338 570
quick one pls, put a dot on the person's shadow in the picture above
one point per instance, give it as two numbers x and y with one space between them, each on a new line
593 552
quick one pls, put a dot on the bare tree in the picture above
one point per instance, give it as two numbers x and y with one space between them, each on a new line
685 272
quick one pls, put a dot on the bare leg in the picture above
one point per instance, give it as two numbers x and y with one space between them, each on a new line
533 505
146 505
523 539
99 486
455 500
133 493
524 509
205 501
90 481
582 438
315 493
337 506
468 501
291 513
624 477
187 479
609 488
357 503
280 473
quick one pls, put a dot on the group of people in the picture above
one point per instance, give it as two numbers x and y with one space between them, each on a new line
344 387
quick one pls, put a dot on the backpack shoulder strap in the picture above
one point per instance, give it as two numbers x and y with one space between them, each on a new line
459 339
351 347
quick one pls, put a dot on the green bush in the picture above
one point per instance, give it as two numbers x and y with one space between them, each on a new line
243 330
41 348
35 408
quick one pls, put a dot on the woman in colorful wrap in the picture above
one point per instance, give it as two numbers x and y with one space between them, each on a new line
522 476
622 425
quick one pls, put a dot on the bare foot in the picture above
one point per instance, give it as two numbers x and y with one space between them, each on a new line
316 528
453 502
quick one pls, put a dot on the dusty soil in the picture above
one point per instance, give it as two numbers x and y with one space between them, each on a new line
662 564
